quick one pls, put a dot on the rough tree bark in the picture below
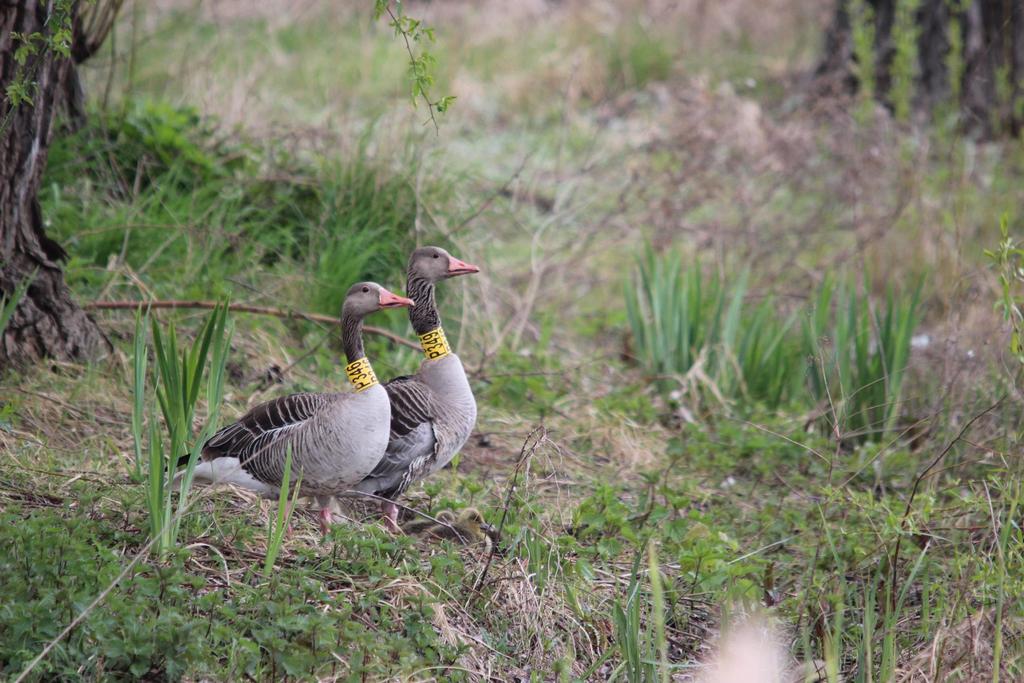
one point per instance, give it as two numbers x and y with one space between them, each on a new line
989 35
47 322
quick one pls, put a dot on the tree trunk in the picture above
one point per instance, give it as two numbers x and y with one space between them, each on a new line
969 53
47 322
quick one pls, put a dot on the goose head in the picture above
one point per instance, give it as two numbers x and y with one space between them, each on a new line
364 298
434 264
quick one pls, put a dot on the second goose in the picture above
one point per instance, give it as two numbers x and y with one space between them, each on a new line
433 411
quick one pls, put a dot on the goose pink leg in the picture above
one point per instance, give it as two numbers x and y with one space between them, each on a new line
390 520
326 519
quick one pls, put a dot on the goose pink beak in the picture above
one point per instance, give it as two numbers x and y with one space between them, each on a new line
392 300
457 267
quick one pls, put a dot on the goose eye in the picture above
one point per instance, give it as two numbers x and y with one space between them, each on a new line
437 256
366 289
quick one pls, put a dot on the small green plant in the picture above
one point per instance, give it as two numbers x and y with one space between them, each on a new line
1008 260
685 323
177 380
904 62
8 304
421 66
860 354
862 23
636 645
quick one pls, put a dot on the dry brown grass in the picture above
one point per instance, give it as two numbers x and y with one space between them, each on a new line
963 651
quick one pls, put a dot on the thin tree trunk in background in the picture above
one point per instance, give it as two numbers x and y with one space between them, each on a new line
47 323
984 37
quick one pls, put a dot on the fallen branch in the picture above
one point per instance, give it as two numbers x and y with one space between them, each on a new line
244 308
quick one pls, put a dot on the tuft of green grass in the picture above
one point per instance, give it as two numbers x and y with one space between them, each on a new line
364 232
637 56
177 379
697 328
859 373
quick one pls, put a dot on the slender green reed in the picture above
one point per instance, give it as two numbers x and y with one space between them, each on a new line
891 617
278 524
140 358
643 650
631 636
860 369
658 611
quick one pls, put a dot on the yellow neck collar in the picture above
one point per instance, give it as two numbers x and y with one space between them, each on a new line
435 344
361 374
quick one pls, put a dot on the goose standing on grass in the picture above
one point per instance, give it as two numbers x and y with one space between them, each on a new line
433 411
336 439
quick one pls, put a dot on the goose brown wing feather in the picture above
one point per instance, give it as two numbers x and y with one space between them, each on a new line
412 404
413 442
263 425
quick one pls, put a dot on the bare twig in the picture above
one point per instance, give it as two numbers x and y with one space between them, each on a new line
245 308
530 444
412 60
501 191
924 473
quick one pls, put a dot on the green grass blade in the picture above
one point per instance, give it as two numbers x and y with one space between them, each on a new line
276 531
658 611
140 357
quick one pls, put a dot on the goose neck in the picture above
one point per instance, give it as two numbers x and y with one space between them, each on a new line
359 371
423 316
352 337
